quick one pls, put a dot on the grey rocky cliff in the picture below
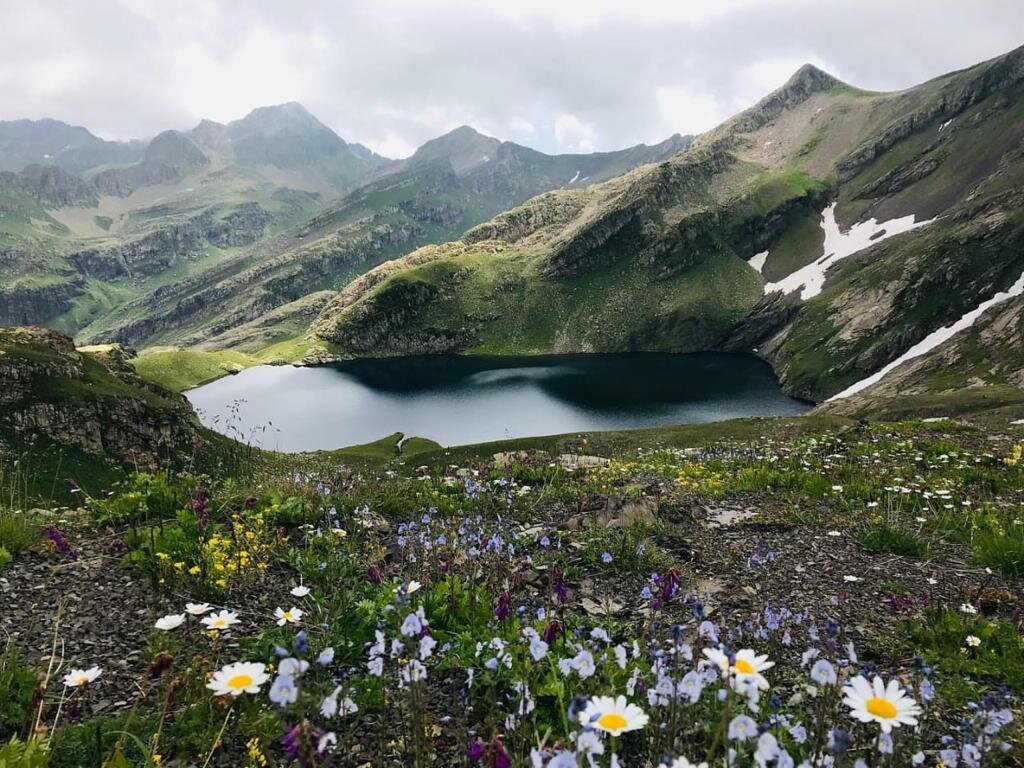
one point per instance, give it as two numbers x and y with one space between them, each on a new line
89 400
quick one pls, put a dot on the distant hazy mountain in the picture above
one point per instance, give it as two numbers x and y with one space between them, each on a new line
51 142
234 233
169 157
272 291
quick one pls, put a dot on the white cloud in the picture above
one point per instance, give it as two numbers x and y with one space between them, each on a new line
265 68
577 13
522 126
391 145
54 75
688 111
574 135
395 73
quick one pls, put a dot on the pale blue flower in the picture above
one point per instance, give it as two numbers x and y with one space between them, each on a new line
284 692
885 743
742 728
412 627
823 673
691 686
538 649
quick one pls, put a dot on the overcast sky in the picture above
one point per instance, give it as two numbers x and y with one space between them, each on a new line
558 75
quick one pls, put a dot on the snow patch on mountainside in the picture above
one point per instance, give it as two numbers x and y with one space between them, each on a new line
935 338
839 245
758 259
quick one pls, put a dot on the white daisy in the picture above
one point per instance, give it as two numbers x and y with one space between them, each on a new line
682 762
973 640
170 621
77 677
292 616
300 591
222 620
887 705
238 678
612 715
198 609
746 669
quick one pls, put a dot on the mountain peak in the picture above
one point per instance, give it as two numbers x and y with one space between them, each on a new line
465 147
810 79
807 81
290 117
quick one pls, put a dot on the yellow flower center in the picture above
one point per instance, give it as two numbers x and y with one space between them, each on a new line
218 623
82 679
881 707
240 681
744 667
287 615
612 721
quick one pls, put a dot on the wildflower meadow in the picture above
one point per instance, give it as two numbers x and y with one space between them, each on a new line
849 598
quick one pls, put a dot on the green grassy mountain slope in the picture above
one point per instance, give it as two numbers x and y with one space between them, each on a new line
677 256
78 247
271 291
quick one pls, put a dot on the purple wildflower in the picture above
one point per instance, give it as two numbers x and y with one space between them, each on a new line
61 543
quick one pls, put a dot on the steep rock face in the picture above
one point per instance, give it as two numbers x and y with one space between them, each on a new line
50 185
955 97
887 298
26 302
181 241
247 295
244 225
169 157
50 389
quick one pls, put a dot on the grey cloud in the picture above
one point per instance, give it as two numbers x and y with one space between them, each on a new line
396 74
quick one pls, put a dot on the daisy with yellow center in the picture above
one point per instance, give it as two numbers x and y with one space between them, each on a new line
221 620
887 705
744 669
613 715
77 677
238 678
292 616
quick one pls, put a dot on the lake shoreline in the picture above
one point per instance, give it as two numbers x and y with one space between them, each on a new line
463 399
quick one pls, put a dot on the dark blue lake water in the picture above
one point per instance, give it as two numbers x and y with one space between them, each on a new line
459 400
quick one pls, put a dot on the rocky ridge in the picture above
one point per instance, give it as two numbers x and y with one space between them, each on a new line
90 400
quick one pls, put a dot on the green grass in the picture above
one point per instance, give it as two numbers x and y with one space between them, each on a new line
18 531
800 244
96 300
883 539
181 369
999 659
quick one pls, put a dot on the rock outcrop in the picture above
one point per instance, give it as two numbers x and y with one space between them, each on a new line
169 157
89 400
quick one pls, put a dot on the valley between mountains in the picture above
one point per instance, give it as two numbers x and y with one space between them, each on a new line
829 575
869 246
